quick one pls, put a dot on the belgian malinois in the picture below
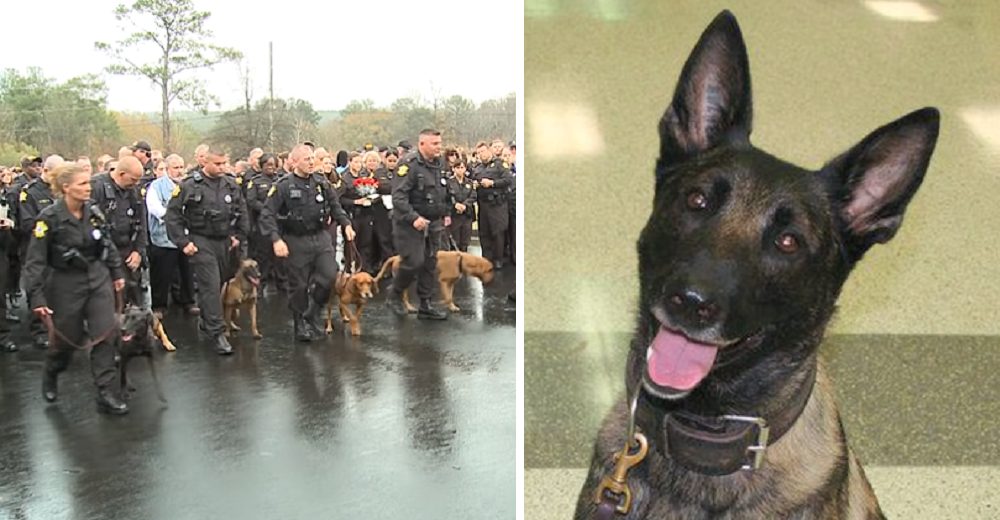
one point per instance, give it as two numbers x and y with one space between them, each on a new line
729 412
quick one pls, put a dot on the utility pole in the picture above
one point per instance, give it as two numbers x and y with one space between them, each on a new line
270 104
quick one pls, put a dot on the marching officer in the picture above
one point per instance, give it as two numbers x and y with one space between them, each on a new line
207 219
419 202
493 176
68 274
295 217
116 194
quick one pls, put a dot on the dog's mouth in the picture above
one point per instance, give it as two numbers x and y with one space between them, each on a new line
127 336
255 281
676 364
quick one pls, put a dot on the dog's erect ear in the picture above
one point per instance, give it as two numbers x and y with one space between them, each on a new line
712 102
872 183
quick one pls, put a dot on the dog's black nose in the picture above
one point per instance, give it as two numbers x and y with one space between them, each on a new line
693 307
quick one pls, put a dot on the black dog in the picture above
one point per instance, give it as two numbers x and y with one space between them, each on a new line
138 339
740 265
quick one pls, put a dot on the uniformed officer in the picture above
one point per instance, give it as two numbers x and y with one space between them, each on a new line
68 273
34 197
463 210
272 272
6 244
117 195
494 179
207 218
420 201
386 175
295 216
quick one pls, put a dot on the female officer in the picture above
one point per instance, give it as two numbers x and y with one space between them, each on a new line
358 204
68 270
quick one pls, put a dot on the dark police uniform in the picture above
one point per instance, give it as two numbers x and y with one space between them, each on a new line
493 215
362 219
420 190
7 243
69 268
297 211
208 212
126 216
271 269
383 216
34 197
461 191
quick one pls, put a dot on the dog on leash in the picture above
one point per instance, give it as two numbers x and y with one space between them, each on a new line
451 266
740 266
241 293
350 289
138 334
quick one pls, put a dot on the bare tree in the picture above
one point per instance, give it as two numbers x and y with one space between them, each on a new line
177 32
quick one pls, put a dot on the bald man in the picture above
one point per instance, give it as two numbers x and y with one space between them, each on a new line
303 203
117 195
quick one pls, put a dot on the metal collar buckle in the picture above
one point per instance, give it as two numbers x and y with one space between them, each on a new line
763 433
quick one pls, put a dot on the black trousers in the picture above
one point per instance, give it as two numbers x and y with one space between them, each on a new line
312 268
461 230
271 268
133 280
209 265
492 226
83 307
164 265
383 235
5 275
363 223
418 250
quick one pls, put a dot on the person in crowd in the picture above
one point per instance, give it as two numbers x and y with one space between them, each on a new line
493 178
272 271
463 210
166 261
116 194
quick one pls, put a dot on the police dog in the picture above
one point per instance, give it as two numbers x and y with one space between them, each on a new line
138 335
241 293
350 289
740 264
451 266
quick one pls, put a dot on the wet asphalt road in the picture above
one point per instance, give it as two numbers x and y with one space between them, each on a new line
415 419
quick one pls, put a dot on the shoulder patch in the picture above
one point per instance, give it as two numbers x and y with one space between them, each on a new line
239 180
273 189
402 170
177 190
41 228
250 185
506 165
142 192
23 197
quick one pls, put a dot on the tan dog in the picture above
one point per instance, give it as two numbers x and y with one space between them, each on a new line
241 292
354 290
451 266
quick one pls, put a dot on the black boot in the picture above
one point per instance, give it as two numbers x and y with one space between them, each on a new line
12 316
428 312
8 346
303 332
41 342
50 385
109 402
311 319
222 346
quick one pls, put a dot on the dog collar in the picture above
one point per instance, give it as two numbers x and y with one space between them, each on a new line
719 445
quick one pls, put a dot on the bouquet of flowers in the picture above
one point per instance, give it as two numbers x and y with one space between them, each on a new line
367 187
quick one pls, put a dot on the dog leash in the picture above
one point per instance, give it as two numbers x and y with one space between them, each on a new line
355 255
55 333
613 495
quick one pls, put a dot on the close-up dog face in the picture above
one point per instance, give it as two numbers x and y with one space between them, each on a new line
744 254
250 271
135 323
479 267
363 284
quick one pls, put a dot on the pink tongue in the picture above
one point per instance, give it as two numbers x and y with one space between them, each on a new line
678 363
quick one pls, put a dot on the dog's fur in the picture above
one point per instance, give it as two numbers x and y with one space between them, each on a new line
355 289
138 334
241 293
451 266
747 254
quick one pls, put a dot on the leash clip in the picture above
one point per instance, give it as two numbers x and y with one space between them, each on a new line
615 486
763 433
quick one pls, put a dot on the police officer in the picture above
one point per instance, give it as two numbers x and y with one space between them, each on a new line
34 197
207 219
272 272
295 217
494 179
116 194
68 273
6 244
420 201
463 209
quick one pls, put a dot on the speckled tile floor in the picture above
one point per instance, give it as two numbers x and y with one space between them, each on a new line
915 347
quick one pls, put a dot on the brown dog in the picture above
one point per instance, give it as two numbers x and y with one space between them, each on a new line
354 290
451 266
241 292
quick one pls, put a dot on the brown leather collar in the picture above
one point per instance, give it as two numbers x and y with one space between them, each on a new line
718 445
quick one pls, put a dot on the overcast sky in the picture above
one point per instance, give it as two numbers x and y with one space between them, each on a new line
328 52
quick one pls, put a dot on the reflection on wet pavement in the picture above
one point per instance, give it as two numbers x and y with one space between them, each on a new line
412 420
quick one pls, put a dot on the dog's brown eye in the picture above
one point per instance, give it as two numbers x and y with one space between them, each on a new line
787 243
697 200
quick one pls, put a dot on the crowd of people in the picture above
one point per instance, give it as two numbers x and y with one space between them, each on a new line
146 230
